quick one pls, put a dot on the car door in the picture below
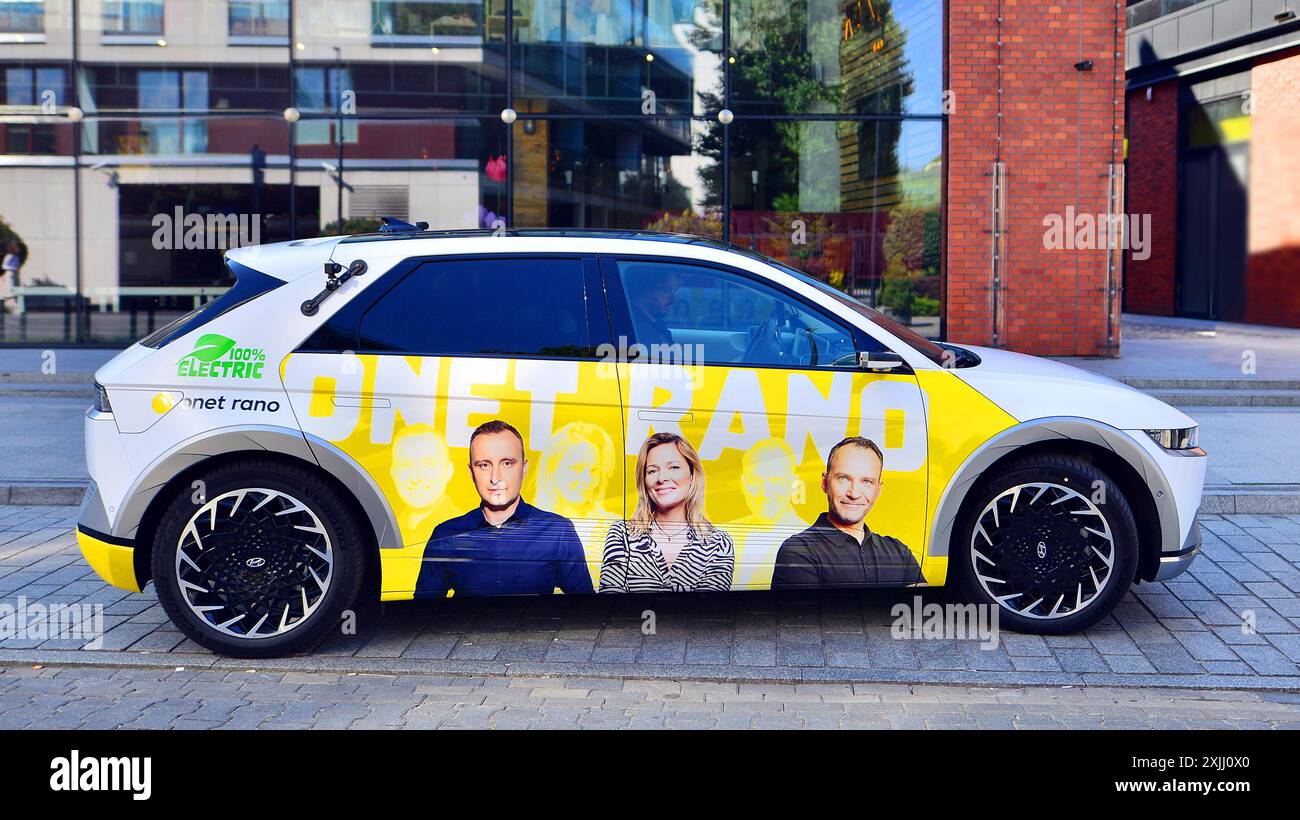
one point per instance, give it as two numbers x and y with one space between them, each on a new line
763 383
441 346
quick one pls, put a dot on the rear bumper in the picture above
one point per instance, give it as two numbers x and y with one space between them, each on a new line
112 558
1173 564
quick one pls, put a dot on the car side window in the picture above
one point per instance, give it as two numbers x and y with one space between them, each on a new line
505 307
696 313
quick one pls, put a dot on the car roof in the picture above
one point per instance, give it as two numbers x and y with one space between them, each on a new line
545 233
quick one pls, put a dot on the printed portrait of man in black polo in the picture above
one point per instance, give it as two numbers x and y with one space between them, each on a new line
839 550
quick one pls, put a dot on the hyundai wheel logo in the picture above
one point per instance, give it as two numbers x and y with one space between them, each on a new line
255 563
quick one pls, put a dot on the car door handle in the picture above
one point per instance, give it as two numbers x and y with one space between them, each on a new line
360 401
661 415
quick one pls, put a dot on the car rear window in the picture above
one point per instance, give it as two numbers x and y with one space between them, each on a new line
249 284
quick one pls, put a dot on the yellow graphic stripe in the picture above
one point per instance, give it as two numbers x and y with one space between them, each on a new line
112 562
960 419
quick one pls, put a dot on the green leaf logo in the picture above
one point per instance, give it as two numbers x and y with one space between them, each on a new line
210 347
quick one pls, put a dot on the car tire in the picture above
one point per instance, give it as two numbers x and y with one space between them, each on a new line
258 558
1050 540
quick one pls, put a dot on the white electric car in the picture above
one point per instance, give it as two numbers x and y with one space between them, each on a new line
416 414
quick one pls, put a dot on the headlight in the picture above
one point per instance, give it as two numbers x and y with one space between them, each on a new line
1187 439
101 399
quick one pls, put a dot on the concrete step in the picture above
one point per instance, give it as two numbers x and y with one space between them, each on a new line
1183 399
1212 384
1256 499
55 492
56 390
35 377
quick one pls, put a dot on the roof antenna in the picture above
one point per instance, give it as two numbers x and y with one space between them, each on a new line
391 225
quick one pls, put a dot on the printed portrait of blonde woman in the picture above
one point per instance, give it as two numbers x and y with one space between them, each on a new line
573 480
421 470
767 480
668 545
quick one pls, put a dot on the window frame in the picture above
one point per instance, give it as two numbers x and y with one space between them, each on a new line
342 331
621 317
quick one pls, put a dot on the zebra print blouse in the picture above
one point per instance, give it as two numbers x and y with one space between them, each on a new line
634 563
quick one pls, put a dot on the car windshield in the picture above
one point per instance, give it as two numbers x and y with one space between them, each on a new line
919 343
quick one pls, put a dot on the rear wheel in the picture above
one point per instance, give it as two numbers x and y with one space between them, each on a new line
261 559
1051 541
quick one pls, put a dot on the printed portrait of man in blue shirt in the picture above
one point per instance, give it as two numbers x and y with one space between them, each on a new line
504 546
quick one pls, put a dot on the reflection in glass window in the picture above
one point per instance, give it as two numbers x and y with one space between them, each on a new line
613 173
445 21
24 86
317 89
837 56
854 204
259 18
687 309
170 90
22 16
657 58
133 17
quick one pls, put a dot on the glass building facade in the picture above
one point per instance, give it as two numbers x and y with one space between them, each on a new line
141 138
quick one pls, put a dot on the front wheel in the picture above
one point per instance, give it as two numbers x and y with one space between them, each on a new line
1051 541
258 558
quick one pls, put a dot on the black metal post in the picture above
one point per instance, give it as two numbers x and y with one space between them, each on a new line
77 335
338 102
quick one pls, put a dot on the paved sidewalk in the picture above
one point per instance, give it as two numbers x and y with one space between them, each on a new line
1232 622
106 698
1166 348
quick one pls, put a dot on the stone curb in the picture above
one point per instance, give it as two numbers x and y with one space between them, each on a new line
43 494
676 672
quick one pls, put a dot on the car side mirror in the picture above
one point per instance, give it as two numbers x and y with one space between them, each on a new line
880 362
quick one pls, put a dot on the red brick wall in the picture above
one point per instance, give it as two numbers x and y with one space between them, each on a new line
1153 189
1273 264
1058 138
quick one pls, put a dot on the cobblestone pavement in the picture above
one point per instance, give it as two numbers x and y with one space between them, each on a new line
182 698
1232 622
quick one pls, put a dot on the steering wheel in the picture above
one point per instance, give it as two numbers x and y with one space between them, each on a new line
765 340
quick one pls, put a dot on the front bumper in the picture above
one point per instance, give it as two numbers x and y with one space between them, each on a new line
112 558
1176 563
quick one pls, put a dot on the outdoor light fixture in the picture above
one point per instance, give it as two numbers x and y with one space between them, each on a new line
162 43
1084 65
649 58
75 114
292 114
725 116
508 115
435 50
530 127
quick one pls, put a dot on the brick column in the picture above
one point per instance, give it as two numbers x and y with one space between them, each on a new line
1153 189
1058 139
1273 263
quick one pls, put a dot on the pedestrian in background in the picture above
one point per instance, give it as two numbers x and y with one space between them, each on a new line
9 268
